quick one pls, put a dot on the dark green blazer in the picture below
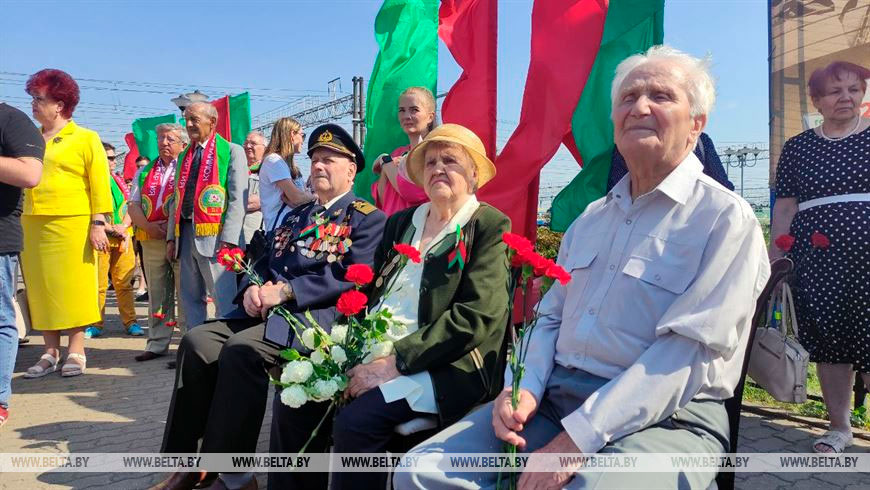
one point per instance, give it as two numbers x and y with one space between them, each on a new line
462 314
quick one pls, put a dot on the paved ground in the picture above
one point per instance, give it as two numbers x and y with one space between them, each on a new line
120 405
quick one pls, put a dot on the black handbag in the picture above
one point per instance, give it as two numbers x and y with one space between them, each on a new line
259 246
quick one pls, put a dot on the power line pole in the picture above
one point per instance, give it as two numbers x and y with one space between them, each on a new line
316 110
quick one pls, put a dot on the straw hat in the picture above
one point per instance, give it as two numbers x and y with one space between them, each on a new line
456 134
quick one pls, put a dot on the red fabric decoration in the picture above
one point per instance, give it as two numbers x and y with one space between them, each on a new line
565 38
130 158
223 123
469 29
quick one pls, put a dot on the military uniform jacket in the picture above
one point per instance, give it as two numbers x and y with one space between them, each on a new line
463 312
311 251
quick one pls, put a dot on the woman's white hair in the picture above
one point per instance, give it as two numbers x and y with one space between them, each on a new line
698 81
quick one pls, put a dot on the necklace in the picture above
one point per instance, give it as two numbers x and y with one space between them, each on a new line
850 133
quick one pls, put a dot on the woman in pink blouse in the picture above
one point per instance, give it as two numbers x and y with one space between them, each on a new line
394 191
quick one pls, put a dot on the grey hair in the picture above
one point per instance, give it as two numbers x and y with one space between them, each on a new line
465 153
259 133
209 109
178 128
698 81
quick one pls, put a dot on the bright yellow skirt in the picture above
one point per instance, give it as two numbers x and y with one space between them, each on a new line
60 272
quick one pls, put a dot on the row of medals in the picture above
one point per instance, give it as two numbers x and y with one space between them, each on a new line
334 241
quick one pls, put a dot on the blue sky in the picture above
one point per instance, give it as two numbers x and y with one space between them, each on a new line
281 50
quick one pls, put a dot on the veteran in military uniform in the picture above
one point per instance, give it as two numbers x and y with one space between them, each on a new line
222 382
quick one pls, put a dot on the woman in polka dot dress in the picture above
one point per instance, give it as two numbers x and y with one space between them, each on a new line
823 184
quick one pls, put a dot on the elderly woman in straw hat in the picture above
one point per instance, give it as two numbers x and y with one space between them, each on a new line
454 303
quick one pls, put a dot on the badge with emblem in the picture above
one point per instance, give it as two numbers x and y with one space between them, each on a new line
212 200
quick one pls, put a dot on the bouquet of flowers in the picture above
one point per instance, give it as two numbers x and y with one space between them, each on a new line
528 267
320 375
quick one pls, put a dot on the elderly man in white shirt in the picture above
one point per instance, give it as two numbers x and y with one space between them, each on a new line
638 352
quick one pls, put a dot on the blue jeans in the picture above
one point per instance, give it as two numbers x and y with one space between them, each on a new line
8 330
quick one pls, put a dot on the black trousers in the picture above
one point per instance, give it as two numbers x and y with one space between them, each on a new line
365 425
221 388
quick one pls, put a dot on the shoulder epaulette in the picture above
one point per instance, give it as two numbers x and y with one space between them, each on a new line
364 207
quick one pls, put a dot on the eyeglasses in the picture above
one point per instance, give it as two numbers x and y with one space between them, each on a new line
111 158
39 99
252 143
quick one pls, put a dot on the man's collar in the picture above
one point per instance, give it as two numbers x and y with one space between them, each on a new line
335 200
171 162
677 185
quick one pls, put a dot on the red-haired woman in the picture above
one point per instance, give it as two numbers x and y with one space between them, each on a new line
823 185
64 222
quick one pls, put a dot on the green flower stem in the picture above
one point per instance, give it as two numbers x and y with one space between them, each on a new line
316 429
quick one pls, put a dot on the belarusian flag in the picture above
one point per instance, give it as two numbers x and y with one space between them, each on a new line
146 136
130 158
234 117
631 27
407 35
469 29
565 38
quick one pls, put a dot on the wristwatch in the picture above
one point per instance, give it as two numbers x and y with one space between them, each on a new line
98 222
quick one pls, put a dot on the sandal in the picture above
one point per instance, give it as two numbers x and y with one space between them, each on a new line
37 371
74 368
834 439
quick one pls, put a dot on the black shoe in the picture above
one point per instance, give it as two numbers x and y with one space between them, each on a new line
142 297
23 341
170 365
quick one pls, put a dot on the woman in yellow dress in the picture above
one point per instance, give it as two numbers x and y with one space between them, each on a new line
64 222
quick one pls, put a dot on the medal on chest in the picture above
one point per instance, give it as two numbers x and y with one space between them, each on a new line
324 238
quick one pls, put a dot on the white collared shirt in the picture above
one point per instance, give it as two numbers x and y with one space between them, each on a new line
332 201
136 192
403 303
660 301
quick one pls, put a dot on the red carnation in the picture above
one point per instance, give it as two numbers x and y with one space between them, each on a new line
819 240
541 264
522 257
784 242
159 315
172 323
351 302
225 257
558 273
360 274
408 251
516 242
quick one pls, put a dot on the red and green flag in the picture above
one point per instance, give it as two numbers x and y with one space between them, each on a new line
565 37
130 158
407 35
145 134
469 29
631 27
234 116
